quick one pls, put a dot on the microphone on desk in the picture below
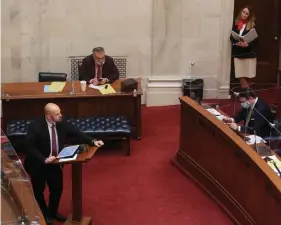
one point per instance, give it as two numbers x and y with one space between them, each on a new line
272 126
255 144
269 123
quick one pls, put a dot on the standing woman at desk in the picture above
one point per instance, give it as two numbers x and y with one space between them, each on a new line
245 60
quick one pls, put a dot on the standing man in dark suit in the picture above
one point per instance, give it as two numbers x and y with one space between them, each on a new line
45 139
255 113
98 68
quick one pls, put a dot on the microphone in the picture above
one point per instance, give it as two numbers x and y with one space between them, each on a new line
236 94
272 126
269 123
198 101
262 149
255 144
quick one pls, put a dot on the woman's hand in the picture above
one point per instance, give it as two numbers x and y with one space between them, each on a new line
239 43
242 44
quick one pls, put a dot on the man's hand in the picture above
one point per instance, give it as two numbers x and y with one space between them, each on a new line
233 126
227 120
50 159
94 82
103 81
98 143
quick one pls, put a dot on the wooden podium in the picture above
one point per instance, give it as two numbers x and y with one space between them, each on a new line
77 217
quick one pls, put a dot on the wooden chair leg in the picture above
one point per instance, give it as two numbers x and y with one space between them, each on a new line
127 145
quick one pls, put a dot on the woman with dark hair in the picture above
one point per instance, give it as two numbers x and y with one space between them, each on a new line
245 59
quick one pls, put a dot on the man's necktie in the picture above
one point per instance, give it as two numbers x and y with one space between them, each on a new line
54 142
249 116
99 72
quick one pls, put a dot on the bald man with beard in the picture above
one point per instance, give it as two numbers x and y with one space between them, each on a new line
46 137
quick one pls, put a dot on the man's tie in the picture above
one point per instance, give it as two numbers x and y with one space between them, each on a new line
249 116
99 72
54 142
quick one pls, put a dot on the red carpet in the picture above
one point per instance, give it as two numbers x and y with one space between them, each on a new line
145 188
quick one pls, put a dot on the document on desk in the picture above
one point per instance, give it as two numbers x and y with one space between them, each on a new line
107 89
46 88
56 86
254 139
104 89
213 111
95 87
277 162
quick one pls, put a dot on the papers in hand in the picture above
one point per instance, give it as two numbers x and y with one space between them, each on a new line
250 36
68 151
254 139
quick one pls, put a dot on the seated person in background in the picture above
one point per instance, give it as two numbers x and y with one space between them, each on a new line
255 113
98 68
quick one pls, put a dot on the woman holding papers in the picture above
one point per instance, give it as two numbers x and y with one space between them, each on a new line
242 38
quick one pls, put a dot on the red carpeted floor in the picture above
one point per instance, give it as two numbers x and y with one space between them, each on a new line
145 188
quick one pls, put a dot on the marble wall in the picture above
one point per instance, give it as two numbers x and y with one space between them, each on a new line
160 38
186 33
40 35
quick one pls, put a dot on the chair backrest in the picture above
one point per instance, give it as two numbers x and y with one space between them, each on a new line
49 77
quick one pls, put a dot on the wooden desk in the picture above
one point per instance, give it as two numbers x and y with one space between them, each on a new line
228 169
77 214
27 101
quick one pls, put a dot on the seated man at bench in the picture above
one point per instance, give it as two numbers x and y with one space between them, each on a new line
98 68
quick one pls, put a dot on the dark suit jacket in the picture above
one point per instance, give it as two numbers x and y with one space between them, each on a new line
38 141
240 52
88 68
257 123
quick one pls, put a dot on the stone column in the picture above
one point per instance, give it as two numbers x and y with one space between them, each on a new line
164 84
10 35
187 31
34 39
